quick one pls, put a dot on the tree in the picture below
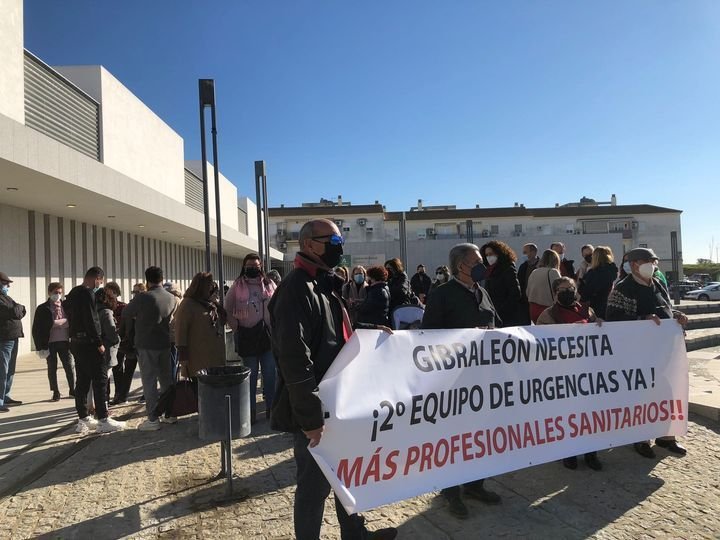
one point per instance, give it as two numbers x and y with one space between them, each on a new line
704 261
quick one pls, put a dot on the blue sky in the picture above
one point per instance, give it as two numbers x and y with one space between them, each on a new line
455 102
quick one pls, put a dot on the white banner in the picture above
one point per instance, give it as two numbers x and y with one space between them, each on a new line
423 410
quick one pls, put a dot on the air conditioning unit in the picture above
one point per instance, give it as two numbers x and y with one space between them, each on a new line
430 232
368 229
485 233
362 222
346 229
283 246
338 222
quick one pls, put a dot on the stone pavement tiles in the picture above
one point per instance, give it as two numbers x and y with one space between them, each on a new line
159 485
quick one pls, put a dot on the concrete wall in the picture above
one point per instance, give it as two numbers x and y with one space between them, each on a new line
228 195
135 141
48 248
12 81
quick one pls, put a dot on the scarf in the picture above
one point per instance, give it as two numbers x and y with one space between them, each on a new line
577 313
303 262
242 291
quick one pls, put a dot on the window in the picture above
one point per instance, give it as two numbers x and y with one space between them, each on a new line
518 228
494 229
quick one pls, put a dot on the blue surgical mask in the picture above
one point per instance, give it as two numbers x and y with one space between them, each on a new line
477 274
5 289
627 268
359 279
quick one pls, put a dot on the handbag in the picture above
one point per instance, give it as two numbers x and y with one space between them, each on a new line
252 341
180 399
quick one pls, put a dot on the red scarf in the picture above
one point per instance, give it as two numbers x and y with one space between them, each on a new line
311 267
577 313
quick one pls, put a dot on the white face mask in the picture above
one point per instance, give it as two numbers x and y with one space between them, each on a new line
627 268
491 259
440 277
646 270
55 297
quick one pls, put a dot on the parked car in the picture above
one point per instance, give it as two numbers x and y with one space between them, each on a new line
684 286
709 292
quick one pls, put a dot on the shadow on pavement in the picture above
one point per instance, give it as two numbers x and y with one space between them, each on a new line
548 501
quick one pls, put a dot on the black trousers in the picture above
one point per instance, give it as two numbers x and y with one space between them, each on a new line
455 490
312 490
91 371
123 374
61 349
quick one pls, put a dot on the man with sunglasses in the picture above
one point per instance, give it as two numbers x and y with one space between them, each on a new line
310 326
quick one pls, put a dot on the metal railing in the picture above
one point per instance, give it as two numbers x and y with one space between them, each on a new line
56 107
193 191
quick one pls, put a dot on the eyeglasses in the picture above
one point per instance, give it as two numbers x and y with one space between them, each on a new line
335 239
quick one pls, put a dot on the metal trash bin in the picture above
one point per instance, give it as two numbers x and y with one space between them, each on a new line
213 386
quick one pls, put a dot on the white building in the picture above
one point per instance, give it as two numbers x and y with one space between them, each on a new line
373 235
89 175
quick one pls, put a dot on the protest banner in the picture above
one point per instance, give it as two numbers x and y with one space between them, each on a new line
423 410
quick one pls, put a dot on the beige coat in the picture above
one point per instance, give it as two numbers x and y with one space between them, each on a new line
539 289
205 341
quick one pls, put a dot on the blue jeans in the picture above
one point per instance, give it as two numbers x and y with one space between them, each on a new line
266 363
8 359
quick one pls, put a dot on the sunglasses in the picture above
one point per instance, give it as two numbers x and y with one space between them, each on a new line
335 239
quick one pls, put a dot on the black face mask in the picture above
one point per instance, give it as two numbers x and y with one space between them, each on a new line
588 258
477 273
332 255
252 272
566 297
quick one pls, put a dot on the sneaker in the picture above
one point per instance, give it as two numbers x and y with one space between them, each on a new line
168 419
11 401
4 408
84 425
570 462
149 425
56 396
109 425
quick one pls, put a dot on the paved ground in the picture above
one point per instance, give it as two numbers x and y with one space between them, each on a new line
160 485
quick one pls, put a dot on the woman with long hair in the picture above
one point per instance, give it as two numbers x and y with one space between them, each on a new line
246 304
399 283
501 280
539 289
598 281
200 327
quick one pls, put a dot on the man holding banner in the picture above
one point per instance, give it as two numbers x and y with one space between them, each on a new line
641 296
462 303
310 327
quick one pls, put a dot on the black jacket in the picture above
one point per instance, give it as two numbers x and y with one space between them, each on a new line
631 301
400 291
452 305
596 285
523 275
376 306
567 268
42 324
10 315
420 284
504 290
307 323
79 306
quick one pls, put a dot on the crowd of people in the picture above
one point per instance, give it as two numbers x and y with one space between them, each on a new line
288 332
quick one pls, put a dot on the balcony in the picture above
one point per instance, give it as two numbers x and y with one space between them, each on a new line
59 109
